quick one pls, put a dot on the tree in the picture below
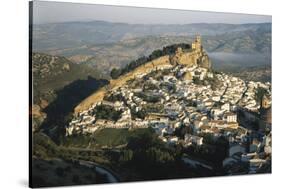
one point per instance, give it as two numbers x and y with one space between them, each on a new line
126 155
107 112
143 141
197 81
155 54
115 73
155 155
171 49
208 138
140 114
260 93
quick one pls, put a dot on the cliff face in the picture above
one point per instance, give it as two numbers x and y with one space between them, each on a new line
204 61
191 58
186 58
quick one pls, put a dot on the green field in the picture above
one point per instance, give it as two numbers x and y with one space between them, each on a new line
108 137
114 137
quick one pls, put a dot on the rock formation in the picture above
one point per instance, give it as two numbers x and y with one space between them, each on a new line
204 61
195 56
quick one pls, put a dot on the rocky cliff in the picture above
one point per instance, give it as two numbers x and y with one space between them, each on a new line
204 61
191 58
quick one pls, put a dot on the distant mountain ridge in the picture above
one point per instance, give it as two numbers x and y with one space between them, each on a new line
73 34
106 45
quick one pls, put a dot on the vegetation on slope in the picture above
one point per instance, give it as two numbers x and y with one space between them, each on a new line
51 73
58 86
255 73
168 50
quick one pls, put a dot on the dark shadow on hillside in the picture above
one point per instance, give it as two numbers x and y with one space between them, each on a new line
59 112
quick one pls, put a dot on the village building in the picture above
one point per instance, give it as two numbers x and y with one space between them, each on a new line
191 139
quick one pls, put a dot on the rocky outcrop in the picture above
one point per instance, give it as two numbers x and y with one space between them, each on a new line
37 116
188 76
196 56
37 111
186 58
204 61
191 58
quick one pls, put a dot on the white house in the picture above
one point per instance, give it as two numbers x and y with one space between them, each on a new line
188 138
225 107
230 117
173 140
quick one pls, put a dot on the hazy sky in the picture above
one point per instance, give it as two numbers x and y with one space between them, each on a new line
46 12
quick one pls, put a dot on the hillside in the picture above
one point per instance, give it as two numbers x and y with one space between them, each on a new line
257 73
115 83
54 72
235 62
105 45
144 121
188 107
188 57
56 85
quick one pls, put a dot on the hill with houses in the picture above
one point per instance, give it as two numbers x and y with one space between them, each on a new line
189 57
221 123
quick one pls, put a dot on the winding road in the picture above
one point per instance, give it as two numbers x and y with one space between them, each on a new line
110 176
